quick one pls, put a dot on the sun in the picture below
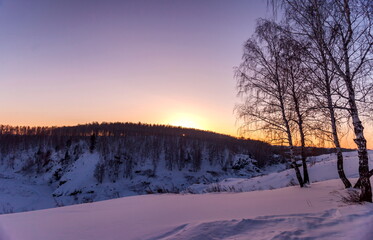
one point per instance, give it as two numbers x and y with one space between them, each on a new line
186 121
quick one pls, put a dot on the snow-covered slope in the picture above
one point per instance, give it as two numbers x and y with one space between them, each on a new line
320 168
18 194
38 179
287 213
284 212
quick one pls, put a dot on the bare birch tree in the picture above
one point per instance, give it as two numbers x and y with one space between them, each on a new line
323 81
296 75
325 90
261 80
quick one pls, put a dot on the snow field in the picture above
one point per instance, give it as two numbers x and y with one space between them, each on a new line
315 212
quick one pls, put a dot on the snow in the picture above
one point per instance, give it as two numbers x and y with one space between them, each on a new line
63 183
281 212
320 168
79 178
19 194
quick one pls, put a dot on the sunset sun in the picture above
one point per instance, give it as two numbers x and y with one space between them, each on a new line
187 121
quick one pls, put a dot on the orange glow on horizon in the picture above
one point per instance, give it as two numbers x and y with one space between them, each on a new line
187 121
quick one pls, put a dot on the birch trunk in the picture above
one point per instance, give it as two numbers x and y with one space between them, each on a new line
360 140
365 186
333 124
290 140
306 179
358 183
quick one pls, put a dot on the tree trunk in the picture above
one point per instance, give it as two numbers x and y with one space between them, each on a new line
333 123
306 179
358 183
365 186
290 140
295 165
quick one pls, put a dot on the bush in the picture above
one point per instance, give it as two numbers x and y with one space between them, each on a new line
352 197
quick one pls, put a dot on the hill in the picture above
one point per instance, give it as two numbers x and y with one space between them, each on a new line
45 167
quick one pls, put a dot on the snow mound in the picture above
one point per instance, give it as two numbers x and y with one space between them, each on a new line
323 225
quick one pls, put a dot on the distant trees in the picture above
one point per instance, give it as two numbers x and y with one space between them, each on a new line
92 145
123 148
326 61
99 172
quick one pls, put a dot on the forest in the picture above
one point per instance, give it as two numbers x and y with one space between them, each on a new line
122 146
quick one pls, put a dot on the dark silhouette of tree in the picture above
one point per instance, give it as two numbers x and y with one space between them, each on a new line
92 145
263 79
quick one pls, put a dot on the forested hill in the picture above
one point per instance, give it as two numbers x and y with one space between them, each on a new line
117 129
57 166
57 137
111 129
84 163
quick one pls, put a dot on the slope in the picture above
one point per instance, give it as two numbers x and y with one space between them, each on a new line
315 212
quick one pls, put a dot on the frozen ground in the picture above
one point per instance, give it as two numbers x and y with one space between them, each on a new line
289 212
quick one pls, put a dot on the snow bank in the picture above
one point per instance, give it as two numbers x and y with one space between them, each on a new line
287 213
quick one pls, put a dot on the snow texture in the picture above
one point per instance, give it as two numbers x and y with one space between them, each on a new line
315 212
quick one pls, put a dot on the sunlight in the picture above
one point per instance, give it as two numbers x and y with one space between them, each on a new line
186 120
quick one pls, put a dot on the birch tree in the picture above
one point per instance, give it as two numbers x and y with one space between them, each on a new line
262 83
323 90
344 31
296 74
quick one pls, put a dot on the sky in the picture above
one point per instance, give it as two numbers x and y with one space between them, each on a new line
166 62
78 61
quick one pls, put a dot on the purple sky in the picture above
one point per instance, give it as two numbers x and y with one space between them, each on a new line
171 62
